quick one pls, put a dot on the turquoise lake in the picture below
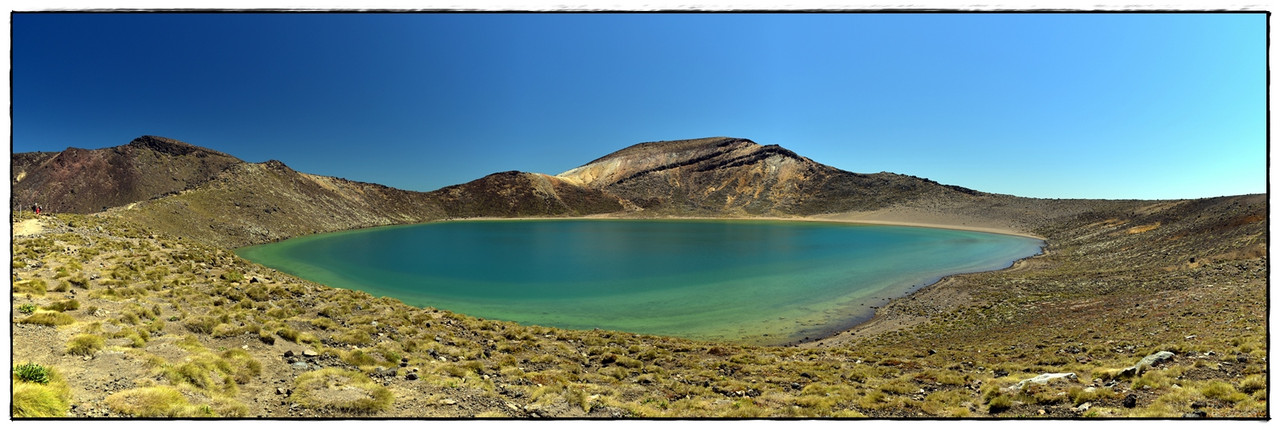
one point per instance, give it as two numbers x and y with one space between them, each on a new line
762 282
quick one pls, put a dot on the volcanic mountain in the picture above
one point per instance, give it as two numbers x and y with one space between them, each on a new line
84 181
209 196
729 176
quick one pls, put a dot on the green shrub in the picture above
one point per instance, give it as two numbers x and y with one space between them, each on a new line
31 372
85 344
27 308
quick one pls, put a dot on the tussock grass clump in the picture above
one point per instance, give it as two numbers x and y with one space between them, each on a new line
1219 390
205 371
357 357
201 325
85 344
159 401
355 337
999 404
340 390
65 305
33 398
49 319
1253 384
35 287
244 366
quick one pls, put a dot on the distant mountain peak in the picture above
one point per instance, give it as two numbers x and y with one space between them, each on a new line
165 145
91 180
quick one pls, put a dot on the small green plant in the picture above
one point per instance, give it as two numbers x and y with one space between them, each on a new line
31 372
27 308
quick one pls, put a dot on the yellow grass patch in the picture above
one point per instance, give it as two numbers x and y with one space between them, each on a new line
1143 228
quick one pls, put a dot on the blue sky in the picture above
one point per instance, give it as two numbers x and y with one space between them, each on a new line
1039 105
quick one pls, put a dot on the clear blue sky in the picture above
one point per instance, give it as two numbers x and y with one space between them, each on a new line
1039 105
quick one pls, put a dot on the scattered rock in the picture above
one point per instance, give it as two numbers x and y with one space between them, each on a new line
301 365
449 402
1130 400
1042 379
1083 407
1195 414
1146 363
1242 358
411 377
310 353
288 354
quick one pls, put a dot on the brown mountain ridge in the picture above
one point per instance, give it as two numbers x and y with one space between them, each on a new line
84 181
195 192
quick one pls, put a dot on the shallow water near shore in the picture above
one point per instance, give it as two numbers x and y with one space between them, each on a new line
760 282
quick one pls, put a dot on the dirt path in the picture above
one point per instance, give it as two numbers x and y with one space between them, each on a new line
28 227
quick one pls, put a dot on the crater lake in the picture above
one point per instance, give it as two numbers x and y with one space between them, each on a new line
749 281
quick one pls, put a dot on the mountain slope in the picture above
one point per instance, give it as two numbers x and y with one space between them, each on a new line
85 181
263 202
255 203
512 194
732 176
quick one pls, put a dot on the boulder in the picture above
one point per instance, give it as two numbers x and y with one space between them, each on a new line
1146 363
1042 379
310 353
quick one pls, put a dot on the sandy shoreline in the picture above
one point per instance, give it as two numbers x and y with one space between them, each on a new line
946 293
844 218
